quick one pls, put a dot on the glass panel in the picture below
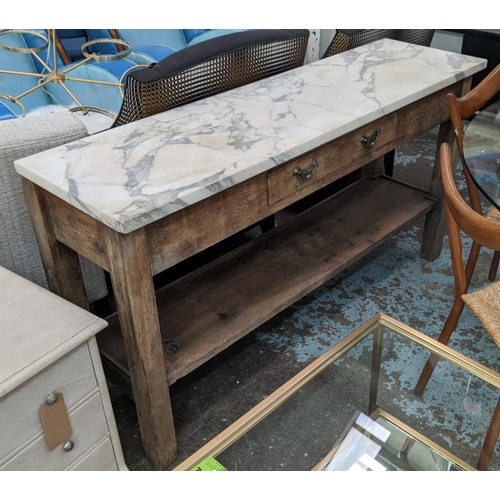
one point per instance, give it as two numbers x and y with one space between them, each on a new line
441 430
324 407
482 151
455 409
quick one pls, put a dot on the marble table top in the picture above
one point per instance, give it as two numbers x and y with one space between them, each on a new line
138 173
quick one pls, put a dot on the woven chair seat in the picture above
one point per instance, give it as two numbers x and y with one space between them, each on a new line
485 304
493 214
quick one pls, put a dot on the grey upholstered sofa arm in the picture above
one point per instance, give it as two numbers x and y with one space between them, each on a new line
18 247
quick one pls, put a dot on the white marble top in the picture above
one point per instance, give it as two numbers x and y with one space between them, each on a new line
138 173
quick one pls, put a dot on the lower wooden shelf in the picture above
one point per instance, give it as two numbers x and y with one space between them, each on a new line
208 310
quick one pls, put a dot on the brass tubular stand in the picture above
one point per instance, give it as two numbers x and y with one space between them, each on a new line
58 76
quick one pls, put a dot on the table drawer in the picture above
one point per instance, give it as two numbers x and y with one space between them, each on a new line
330 159
101 458
73 376
89 427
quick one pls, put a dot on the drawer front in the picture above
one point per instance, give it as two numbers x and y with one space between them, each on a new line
330 159
89 427
73 376
101 458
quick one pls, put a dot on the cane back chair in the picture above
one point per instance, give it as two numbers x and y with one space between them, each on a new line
209 68
485 302
350 39
418 37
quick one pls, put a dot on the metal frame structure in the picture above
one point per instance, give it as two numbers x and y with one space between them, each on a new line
57 75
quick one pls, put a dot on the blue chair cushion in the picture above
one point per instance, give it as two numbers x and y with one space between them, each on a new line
101 48
116 68
209 34
6 113
33 41
72 41
190 34
148 54
15 85
141 37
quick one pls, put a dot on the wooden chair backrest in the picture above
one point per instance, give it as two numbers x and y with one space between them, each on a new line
460 215
464 107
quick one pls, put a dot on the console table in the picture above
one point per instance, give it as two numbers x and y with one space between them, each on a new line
140 198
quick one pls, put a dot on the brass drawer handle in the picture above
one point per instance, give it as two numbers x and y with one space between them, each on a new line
307 173
370 140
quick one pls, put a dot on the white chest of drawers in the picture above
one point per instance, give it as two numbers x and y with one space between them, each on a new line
47 345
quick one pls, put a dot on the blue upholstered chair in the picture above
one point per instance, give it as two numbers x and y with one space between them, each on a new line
148 46
153 45
98 95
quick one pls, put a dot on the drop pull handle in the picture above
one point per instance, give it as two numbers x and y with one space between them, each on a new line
307 173
369 141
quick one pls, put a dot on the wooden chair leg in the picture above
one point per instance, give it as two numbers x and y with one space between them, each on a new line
444 337
494 266
452 320
490 440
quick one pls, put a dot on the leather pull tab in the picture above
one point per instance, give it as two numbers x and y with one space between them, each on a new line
55 420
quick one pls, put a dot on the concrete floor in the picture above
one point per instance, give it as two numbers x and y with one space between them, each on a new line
393 279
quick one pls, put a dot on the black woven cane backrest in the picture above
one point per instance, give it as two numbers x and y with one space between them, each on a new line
350 39
209 68
419 37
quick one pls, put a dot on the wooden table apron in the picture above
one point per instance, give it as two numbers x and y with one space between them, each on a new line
133 259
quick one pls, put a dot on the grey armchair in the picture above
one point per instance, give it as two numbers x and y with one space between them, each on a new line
18 247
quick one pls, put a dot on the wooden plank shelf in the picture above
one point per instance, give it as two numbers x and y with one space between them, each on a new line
209 309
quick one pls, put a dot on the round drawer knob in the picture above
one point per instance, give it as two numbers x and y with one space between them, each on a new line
52 398
68 446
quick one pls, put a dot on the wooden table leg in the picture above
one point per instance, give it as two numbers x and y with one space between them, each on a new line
435 221
130 271
61 263
375 167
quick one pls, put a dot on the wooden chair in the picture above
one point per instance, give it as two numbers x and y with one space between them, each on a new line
461 109
484 303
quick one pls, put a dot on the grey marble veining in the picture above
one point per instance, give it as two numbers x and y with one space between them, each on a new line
138 173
